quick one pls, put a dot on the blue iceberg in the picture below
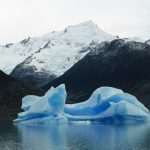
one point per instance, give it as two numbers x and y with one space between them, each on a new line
44 110
106 104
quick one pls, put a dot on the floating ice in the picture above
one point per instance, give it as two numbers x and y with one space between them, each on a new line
106 104
46 109
30 100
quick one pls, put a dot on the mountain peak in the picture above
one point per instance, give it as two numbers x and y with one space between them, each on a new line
86 32
84 24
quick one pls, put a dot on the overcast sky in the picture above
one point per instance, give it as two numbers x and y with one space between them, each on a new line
22 18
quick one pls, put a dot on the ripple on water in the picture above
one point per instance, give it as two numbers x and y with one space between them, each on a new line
74 137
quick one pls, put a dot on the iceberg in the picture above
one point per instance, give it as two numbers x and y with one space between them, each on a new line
43 110
106 104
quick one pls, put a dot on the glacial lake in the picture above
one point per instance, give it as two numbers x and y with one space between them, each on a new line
74 137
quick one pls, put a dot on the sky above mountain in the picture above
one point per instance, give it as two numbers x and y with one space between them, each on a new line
23 18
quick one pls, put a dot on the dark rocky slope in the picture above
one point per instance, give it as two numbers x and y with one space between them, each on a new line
11 93
29 74
120 64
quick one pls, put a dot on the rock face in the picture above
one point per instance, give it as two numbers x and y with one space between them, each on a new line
58 52
11 94
121 64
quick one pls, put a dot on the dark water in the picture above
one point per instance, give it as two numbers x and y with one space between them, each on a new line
74 137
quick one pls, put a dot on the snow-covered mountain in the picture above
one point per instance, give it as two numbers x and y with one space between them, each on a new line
52 49
13 54
55 52
66 48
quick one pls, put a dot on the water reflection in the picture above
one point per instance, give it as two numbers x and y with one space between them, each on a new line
42 138
108 137
75 137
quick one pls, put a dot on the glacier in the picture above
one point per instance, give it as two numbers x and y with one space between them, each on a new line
106 104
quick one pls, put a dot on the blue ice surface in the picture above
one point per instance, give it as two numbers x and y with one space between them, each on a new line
46 109
106 104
